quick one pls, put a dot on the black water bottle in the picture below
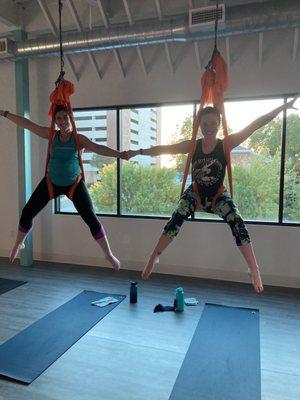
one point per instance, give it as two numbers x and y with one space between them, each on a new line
133 292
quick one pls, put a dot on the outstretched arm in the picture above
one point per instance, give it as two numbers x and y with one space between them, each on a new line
236 139
86 143
177 148
26 124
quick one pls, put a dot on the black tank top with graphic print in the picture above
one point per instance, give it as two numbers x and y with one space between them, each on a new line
208 170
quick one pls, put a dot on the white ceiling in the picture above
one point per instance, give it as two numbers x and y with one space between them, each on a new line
28 13
38 17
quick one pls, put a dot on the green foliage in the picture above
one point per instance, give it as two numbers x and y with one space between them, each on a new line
267 140
293 141
291 210
183 133
104 193
148 190
144 190
256 188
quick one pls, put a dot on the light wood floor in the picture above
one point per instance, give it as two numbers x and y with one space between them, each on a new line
134 354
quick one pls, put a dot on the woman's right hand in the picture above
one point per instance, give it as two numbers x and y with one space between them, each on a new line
2 113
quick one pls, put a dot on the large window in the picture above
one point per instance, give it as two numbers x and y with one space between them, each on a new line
266 167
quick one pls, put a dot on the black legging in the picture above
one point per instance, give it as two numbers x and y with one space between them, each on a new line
81 200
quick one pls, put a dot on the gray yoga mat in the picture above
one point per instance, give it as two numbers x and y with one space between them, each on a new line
8 284
25 356
223 359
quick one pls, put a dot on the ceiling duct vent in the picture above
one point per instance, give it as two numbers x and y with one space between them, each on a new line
6 47
205 16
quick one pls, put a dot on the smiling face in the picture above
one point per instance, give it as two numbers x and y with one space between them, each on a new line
209 124
62 120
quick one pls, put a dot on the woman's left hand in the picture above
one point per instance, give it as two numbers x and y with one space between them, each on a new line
290 104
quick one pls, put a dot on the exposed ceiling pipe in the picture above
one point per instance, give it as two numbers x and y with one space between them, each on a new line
253 18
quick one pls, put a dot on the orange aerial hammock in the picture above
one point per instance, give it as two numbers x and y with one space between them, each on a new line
61 97
214 83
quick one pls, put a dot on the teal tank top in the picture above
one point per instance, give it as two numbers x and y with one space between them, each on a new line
63 167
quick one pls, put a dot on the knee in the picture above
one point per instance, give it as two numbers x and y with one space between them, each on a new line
240 231
95 227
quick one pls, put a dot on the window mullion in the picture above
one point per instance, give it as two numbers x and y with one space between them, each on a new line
282 165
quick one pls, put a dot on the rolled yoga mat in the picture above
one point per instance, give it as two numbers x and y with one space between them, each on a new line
223 359
8 284
25 356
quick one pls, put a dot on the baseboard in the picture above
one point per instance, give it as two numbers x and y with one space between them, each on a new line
181 270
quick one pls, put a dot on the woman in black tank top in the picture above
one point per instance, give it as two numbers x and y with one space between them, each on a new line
208 169
208 172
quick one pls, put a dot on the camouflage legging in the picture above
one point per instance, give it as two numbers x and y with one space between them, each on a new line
225 208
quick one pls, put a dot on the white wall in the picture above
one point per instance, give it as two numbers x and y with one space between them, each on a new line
201 249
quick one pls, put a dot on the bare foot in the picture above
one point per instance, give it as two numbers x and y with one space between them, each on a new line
17 247
149 267
256 280
115 263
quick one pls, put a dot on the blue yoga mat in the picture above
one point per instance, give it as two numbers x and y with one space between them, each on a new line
223 359
8 284
25 356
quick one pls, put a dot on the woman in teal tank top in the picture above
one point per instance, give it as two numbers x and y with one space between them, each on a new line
63 170
63 166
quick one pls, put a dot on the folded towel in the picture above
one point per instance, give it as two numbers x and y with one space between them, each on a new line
105 301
